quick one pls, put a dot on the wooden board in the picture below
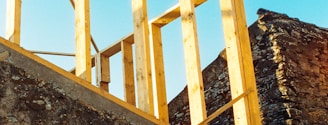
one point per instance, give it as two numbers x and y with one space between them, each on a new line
158 70
240 62
141 42
82 38
171 14
192 62
102 71
128 73
13 21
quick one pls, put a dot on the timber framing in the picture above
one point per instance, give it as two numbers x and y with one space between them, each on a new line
13 21
82 39
192 62
240 62
148 66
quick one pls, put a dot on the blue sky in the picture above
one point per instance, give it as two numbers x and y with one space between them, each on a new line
48 25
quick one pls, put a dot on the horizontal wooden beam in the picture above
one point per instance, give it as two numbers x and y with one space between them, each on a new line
116 47
52 53
171 14
111 50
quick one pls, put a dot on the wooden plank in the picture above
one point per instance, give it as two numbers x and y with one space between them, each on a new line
92 41
224 108
102 71
81 82
52 53
240 62
171 14
82 38
141 38
128 73
116 47
192 60
158 70
111 49
13 21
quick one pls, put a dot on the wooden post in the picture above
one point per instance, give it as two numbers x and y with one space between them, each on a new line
128 73
192 59
141 40
102 71
159 75
13 21
82 38
240 62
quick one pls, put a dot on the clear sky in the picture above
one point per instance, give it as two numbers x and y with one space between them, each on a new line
48 25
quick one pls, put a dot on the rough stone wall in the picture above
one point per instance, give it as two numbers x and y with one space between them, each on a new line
35 92
290 60
25 100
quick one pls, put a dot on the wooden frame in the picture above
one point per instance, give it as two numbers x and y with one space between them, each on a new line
143 69
192 62
92 41
149 53
128 72
82 38
102 71
13 21
240 62
80 81
158 72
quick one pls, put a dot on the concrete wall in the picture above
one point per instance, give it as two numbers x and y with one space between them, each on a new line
290 60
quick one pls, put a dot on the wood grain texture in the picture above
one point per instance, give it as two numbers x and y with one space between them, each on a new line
240 62
192 62
13 21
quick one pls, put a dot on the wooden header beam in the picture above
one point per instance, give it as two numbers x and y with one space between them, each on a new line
13 21
240 62
82 38
171 14
116 47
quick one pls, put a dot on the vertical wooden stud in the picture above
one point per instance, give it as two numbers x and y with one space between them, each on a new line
128 73
141 40
13 21
102 71
192 59
240 62
82 38
159 76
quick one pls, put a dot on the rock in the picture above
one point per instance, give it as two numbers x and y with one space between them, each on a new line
290 60
4 55
28 101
